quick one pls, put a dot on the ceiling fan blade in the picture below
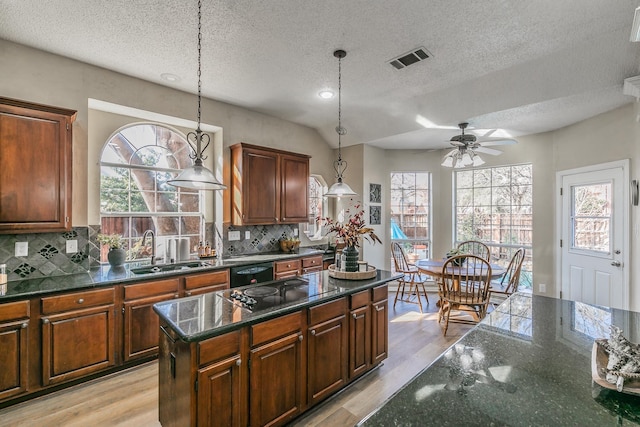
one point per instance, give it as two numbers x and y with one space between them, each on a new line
490 151
457 143
489 142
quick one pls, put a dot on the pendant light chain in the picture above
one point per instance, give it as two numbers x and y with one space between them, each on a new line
339 129
199 59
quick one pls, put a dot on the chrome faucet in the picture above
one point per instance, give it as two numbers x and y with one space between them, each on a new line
153 244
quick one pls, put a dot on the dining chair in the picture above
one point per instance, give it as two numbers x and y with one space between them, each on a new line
411 277
474 247
464 287
502 288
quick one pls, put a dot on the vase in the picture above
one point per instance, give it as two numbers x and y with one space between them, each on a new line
351 256
116 257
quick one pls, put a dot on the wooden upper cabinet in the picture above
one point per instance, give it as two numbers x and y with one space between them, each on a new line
35 177
269 186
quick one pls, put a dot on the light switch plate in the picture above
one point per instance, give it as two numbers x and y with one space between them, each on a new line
22 249
295 232
247 235
542 287
72 246
234 235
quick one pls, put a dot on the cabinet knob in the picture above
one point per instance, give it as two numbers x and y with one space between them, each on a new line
238 362
313 332
176 296
188 293
24 325
355 316
80 300
379 307
45 321
300 337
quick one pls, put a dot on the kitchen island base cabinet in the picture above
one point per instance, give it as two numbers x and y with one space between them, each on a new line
380 324
14 339
328 352
276 394
359 333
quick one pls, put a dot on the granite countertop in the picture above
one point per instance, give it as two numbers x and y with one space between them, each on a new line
528 363
203 316
106 275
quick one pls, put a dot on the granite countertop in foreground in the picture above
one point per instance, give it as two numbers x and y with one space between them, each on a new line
203 316
527 364
106 275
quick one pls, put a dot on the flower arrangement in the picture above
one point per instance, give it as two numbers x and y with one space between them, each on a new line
114 241
352 228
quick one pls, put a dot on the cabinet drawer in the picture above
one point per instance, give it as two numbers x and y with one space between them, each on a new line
380 293
217 348
78 300
14 311
149 289
195 281
289 265
326 311
359 299
272 329
311 262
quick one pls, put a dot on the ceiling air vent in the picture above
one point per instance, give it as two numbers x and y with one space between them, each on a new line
409 58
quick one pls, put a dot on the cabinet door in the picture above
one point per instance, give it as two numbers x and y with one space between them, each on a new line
260 192
277 381
220 401
35 178
379 331
359 341
286 269
77 343
14 338
311 264
327 358
294 182
197 284
141 325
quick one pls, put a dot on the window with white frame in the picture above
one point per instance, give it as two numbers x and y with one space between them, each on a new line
317 207
135 165
410 208
495 205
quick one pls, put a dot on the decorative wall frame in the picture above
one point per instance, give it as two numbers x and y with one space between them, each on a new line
375 212
375 193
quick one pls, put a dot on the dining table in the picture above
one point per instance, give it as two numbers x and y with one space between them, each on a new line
433 267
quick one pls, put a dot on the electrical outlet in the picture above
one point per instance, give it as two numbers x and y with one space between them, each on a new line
295 232
542 288
247 235
22 249
234 235
72 246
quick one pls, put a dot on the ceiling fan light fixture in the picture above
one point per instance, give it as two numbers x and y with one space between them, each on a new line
477 160
198 177
340 188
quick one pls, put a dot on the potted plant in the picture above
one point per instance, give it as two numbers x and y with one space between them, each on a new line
350 232
116 255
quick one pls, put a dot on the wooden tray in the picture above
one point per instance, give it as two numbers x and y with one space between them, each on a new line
352 275
599 360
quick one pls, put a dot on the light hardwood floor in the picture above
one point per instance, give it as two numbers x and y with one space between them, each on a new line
130 398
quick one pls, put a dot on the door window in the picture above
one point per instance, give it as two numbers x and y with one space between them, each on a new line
591 217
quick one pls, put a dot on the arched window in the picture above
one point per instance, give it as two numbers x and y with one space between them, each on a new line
135 165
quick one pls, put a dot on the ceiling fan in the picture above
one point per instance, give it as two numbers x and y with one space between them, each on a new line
467 146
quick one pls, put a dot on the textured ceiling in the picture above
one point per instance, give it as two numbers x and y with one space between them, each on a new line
522 66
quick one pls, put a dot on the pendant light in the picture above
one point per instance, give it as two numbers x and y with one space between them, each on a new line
340 189
198 177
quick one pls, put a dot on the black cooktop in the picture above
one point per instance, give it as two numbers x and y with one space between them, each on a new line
260 297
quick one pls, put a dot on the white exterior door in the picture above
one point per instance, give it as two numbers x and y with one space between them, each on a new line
594 225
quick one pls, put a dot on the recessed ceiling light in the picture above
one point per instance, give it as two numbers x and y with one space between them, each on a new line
326 94
169 77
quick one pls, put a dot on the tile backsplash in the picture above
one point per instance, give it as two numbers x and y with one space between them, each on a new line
47 255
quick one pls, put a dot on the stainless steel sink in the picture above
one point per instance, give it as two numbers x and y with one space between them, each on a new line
159 268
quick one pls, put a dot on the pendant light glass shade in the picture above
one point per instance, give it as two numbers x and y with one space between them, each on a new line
198 177
340 189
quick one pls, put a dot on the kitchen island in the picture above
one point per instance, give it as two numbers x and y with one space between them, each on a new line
527 363
227 360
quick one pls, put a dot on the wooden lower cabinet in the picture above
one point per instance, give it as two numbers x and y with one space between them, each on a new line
140 322
312 264
380 324
277 380
328 349
287 269
78 334
14 340
198 284
359 333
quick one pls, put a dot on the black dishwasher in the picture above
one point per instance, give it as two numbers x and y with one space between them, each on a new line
251 274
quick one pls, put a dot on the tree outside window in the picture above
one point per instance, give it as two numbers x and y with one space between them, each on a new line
135 165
